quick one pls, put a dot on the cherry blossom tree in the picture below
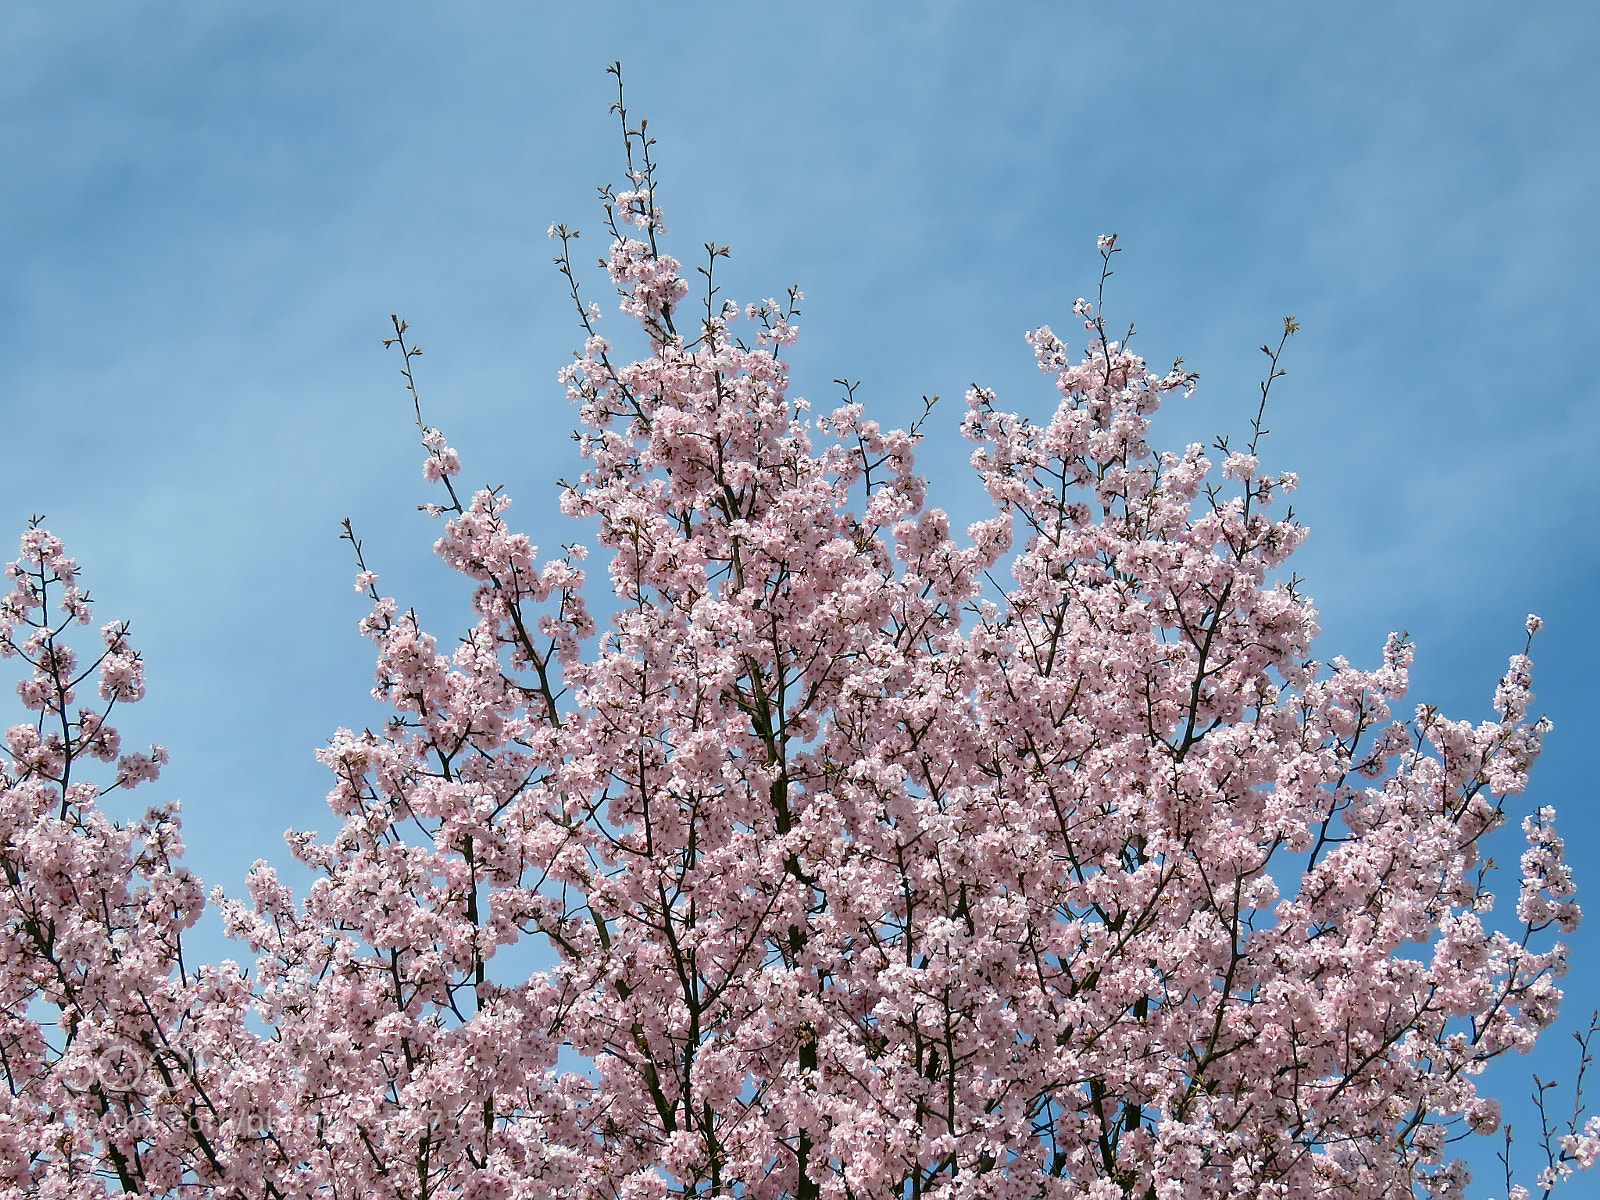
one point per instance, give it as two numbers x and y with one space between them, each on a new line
863 870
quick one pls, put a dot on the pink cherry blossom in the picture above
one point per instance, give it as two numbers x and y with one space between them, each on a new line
870 857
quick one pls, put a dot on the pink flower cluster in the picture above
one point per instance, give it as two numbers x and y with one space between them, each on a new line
858 873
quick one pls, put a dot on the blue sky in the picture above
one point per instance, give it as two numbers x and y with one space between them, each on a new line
208 210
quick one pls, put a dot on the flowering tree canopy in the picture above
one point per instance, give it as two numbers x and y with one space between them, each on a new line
862 873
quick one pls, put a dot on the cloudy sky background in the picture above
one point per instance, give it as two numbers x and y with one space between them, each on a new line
208 210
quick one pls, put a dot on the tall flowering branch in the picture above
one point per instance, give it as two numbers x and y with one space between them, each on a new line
131 1084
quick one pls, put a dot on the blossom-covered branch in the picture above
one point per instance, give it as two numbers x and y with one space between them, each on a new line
868 858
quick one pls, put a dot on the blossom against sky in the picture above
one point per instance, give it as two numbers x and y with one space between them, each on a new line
209 210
